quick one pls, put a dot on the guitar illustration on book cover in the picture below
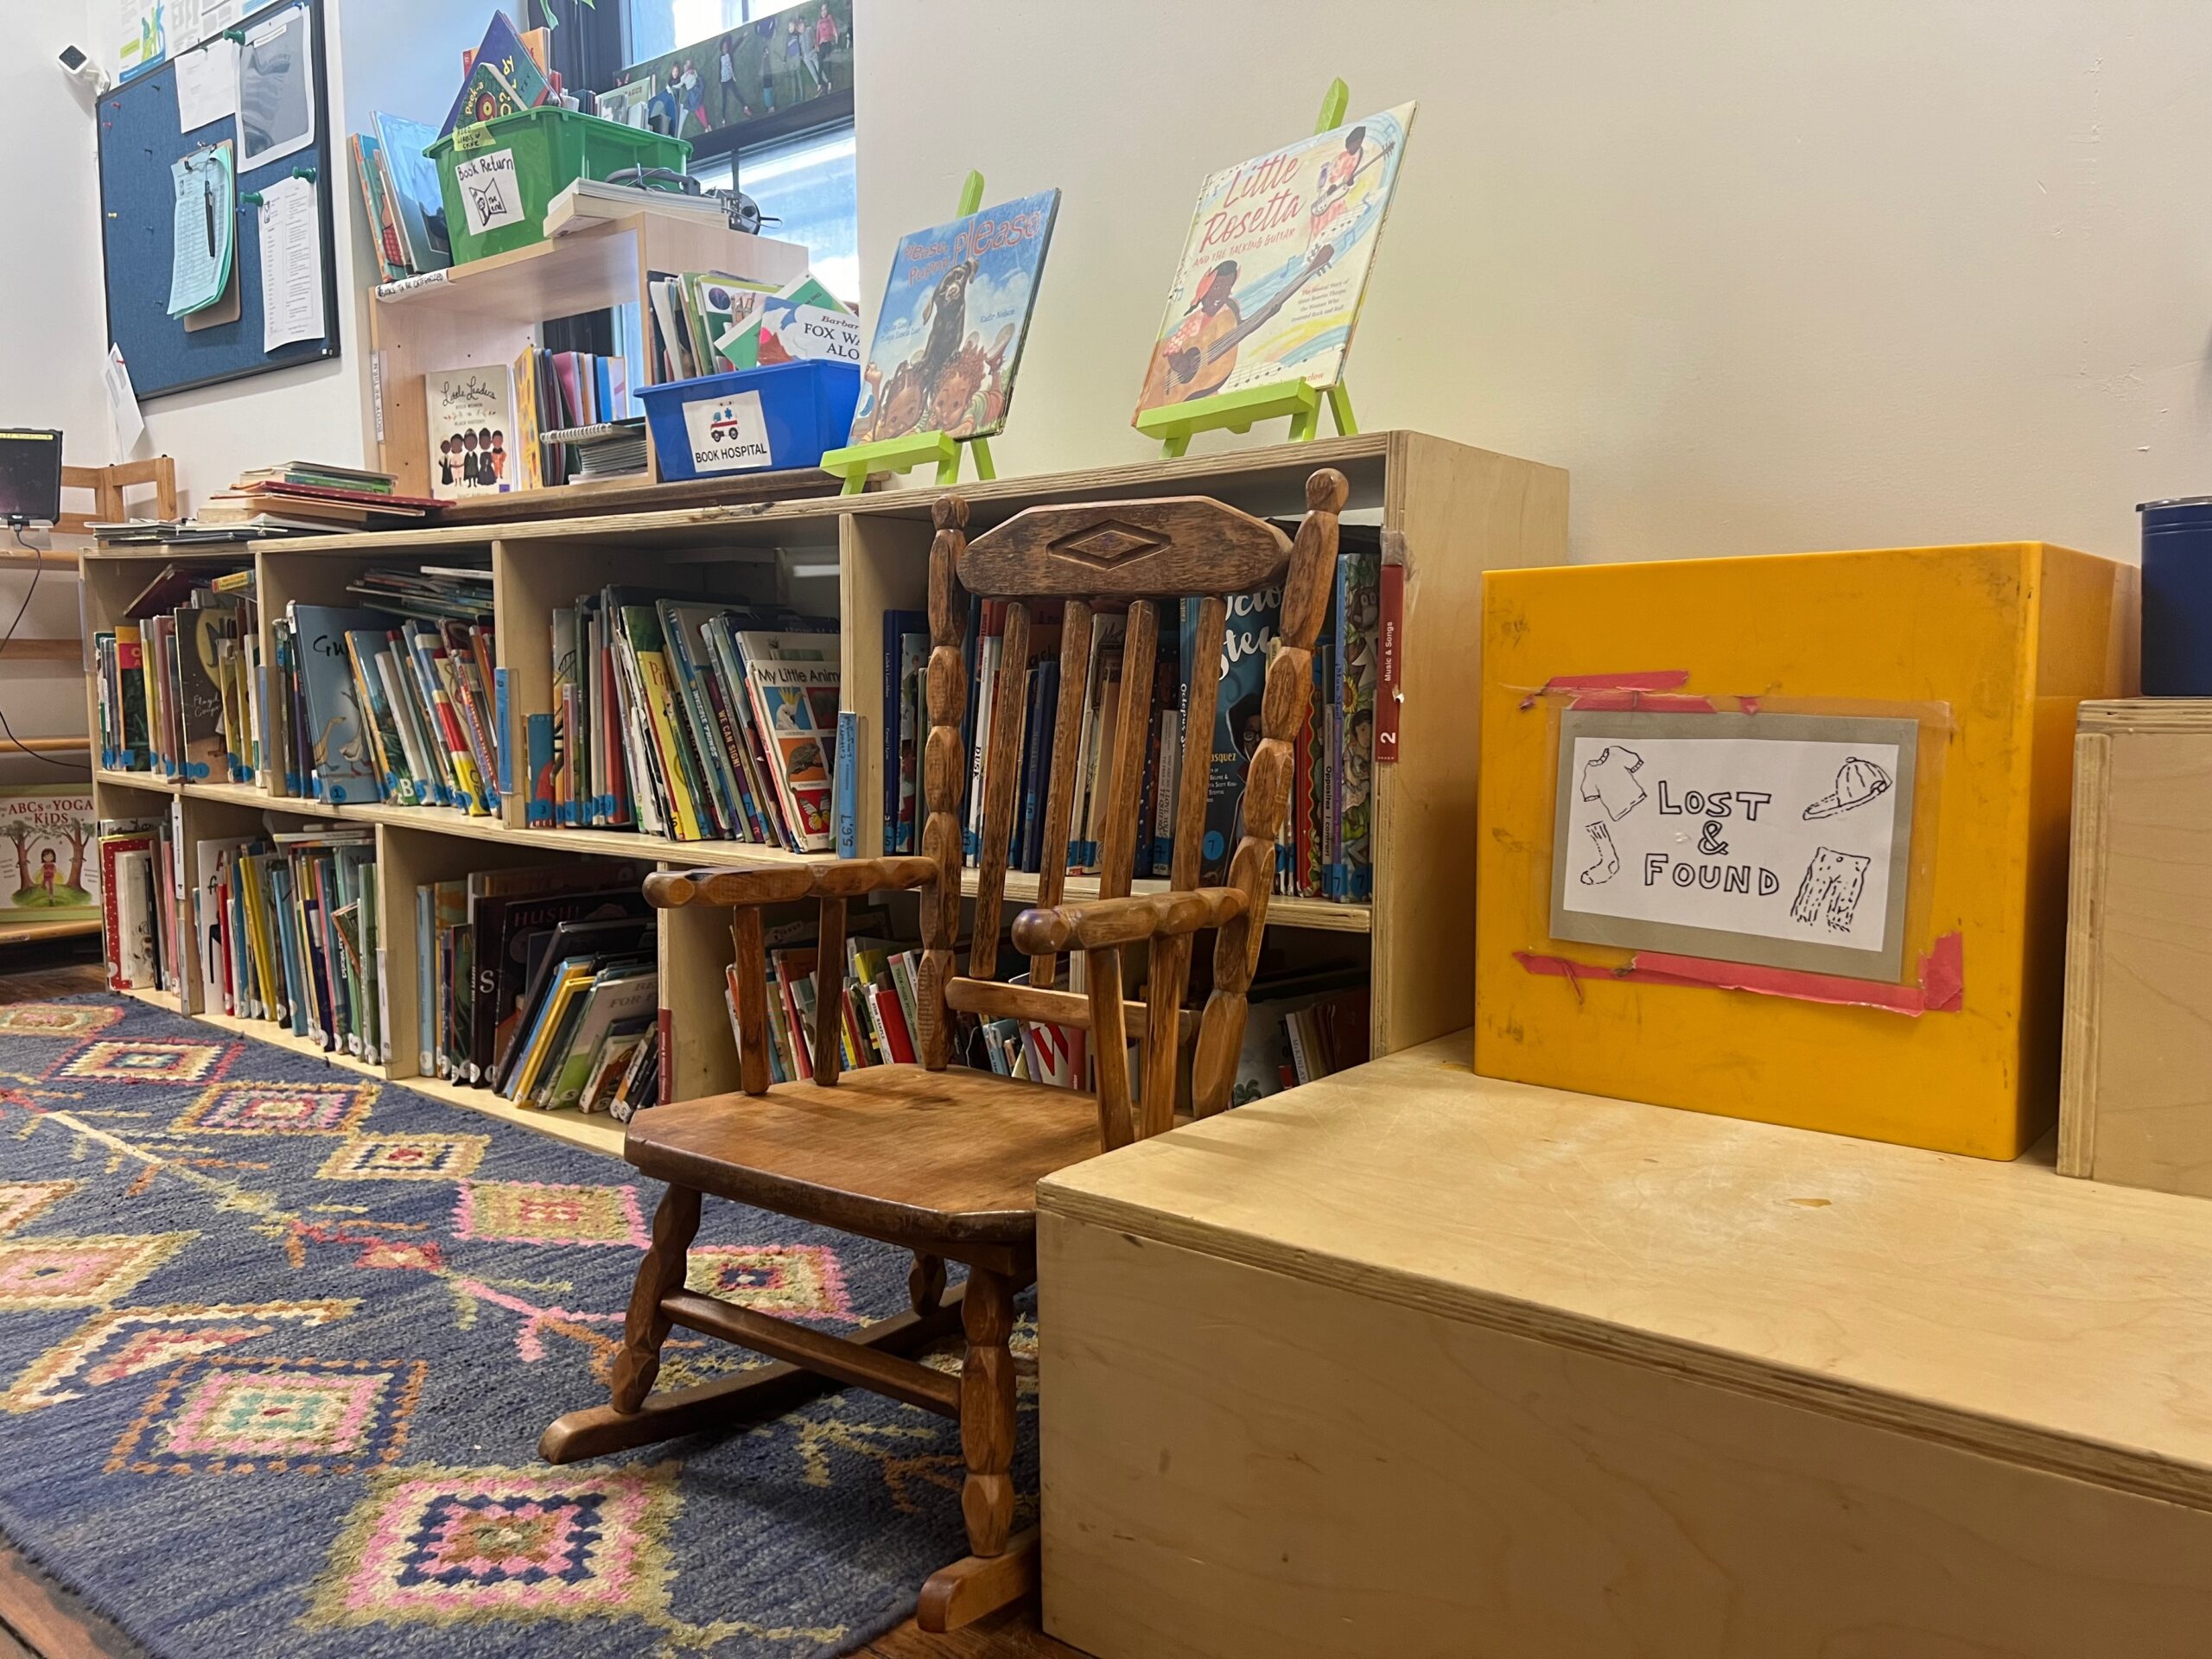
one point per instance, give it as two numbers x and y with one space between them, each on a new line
1276 262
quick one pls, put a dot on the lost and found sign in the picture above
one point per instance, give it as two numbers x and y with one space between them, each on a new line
1783 840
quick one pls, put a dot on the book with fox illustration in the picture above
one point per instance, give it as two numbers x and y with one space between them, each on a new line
1276 260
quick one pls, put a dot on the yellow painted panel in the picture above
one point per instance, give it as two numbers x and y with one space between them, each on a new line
1993 645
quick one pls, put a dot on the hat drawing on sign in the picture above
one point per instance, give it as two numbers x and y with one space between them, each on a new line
1857 782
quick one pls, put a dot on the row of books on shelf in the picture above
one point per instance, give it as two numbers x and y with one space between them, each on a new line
1297 1029
540 985
280 927
1325 849
709 323
391 703
688 718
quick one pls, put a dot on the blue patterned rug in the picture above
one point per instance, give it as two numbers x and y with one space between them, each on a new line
276 1344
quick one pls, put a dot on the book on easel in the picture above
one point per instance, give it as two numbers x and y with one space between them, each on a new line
950 330
1268 286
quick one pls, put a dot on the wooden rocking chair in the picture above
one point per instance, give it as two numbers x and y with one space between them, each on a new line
943 1161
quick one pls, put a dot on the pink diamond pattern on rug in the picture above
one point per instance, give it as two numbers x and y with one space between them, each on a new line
537 1212
23 1201
108 1347
802 1279
229 1415
37 1274
277 1108
71 1021
442 1545
405 1158
147 1061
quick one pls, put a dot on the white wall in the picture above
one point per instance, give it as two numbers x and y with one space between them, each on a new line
51 322
1764 277
402 56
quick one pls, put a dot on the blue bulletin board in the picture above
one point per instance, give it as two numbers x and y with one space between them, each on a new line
139 140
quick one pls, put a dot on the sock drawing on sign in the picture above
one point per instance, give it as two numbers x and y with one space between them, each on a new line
1830 891
1609 861
1609 780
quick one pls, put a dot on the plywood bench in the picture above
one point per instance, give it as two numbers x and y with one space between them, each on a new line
1410 1362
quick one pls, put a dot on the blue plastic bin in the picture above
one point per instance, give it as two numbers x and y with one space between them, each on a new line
751 420
2177 597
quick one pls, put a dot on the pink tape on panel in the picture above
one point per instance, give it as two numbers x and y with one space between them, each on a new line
1941 988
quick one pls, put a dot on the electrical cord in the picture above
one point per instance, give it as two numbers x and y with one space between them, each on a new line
5 638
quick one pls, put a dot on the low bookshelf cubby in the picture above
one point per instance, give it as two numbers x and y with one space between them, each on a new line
1456 512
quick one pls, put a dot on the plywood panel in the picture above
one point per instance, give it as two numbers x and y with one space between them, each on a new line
1241 1463
1993 1306
1460 511
2137 1106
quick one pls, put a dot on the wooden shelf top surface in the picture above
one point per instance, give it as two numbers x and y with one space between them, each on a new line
1317 914
588 269
2064 1326
1269 479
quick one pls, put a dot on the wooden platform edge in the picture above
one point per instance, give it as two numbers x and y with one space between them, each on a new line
2077 1070
51 1621
2119 1467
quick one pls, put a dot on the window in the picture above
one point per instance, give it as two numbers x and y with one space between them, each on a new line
807 185
658 26
779 117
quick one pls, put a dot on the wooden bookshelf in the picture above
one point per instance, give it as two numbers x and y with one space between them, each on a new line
1461 512
484 312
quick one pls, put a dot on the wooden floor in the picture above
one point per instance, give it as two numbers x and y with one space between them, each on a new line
38 1620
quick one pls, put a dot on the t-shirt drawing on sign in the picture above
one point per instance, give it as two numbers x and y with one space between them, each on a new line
1610 779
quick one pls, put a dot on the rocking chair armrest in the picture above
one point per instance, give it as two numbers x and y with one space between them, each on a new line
830 878
1105 922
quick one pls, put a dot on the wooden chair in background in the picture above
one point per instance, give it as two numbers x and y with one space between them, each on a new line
940 1160
108 484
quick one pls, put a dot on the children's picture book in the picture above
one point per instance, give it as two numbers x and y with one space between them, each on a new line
472 423
797 704
949 334
49 827
420 203
338 740
1269 283
502 77
1254 624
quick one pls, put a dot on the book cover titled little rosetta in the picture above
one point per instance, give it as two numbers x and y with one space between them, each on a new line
1276 260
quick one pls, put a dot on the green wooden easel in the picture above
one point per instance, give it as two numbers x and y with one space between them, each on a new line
1174 424
855 462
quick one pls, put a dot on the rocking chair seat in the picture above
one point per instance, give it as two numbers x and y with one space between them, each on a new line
894 1152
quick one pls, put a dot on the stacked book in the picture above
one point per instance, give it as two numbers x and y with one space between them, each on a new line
1325 848
605 449
392 703
302 495
178 683
690 719
540 984
287 931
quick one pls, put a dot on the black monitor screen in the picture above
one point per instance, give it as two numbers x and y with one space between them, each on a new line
30 474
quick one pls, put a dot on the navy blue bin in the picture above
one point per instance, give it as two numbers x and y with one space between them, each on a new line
2177 597
752 420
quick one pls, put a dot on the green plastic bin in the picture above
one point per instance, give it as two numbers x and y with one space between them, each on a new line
499 176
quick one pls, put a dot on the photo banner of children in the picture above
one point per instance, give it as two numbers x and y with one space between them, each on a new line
747 73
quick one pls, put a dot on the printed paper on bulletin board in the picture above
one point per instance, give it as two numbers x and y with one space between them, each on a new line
1781 840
